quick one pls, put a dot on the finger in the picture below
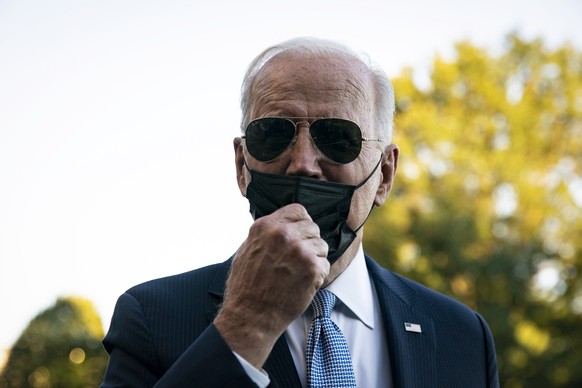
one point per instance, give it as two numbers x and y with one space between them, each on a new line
296 231
320 248
307 229
293 212
322 262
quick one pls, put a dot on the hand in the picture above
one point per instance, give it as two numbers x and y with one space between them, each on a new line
274 276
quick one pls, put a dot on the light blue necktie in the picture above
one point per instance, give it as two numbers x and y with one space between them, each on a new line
328 358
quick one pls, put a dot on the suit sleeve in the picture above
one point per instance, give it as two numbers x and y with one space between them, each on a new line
492 371
207 362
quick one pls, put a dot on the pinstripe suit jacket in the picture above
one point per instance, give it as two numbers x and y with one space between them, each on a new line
162 334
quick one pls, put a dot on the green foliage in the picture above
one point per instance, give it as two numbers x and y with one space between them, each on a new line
61 347
487 204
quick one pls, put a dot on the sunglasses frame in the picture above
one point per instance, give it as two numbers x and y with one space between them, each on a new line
309 121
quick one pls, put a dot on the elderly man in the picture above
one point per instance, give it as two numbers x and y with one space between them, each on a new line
300 304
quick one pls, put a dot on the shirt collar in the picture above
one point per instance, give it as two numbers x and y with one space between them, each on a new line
354 288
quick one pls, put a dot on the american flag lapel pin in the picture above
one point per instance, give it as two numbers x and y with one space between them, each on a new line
413 327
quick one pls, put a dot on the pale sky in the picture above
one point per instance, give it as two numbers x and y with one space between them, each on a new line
117 119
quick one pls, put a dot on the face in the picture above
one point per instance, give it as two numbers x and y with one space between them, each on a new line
321 86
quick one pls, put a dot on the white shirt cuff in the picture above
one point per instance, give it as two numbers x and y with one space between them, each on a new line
259 377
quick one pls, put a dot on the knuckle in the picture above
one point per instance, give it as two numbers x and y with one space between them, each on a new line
298 210
298 249
267 227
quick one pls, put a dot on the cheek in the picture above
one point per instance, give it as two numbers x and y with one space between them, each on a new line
277 166
351 174
362 202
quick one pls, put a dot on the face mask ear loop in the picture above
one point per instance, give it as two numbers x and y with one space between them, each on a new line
247 166
372 173
368 216
363 183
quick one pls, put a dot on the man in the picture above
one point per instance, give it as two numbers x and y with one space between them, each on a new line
315 157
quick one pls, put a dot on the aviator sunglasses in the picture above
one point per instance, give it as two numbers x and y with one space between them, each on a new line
338 139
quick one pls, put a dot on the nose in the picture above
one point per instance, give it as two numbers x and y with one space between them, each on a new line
304 156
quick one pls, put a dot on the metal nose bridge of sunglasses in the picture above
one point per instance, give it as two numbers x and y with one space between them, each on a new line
306 124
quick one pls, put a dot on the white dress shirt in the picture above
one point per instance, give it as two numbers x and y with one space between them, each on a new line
357 313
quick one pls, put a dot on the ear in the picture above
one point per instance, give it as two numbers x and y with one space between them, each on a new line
388 169
239 159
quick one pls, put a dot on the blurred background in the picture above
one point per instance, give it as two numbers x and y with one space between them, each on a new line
116 162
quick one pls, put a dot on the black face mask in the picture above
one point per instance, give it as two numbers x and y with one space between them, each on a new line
328 204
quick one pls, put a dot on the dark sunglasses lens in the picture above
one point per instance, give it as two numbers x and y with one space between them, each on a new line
338 139
268 137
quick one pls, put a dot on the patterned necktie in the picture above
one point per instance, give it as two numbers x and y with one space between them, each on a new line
328 358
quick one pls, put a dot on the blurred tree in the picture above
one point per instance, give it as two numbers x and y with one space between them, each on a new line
487 205
61 347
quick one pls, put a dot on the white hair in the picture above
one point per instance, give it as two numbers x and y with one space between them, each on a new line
383 90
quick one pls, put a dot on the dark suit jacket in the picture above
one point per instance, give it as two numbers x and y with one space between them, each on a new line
162 334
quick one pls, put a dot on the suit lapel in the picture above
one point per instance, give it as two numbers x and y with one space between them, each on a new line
412 354
279 365
216 290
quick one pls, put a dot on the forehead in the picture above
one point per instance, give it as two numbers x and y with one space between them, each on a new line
314 85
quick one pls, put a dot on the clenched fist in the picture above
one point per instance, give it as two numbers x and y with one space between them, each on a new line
274 276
